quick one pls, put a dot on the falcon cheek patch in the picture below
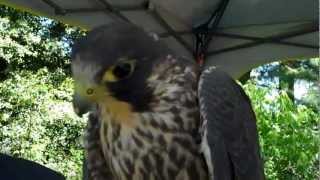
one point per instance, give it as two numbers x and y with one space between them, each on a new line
118 111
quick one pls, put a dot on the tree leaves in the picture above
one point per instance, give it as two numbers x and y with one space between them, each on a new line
36 116
37 120
288 135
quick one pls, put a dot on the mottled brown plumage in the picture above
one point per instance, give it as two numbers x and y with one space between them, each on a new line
160 143
144 119
157 142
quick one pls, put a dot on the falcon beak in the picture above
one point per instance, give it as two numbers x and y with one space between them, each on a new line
81 105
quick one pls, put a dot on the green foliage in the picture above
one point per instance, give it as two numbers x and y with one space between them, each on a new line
288 135
36 117
30 42
37 120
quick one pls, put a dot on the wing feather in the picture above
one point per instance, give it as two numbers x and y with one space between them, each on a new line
229 128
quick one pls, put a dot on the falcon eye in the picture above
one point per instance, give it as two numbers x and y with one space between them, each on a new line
123 69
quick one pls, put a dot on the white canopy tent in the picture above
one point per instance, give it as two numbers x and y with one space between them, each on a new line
240 34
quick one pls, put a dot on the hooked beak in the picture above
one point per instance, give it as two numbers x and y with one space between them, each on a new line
81 101
81 105
86 97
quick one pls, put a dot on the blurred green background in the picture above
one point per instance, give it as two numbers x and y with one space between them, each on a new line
37 120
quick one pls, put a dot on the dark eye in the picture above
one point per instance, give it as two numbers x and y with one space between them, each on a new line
123 70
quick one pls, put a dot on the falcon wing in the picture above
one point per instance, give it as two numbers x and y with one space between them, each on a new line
230 139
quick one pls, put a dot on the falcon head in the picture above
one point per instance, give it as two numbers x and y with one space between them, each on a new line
111 66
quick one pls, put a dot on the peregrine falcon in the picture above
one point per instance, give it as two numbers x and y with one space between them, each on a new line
155 115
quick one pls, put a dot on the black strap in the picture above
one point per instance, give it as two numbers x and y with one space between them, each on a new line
21 169
203 32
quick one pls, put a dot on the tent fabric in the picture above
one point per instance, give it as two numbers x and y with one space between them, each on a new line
250 32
